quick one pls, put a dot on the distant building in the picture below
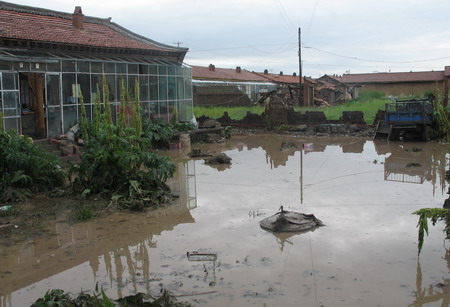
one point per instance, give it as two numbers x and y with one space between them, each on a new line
227 87
48 57
291 83
402 83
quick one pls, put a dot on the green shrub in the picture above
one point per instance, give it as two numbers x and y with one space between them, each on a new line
25 168
371 95
158 133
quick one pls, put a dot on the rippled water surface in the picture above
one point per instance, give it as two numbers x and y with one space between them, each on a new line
366 255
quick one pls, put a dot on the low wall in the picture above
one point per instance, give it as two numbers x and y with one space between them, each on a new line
292 118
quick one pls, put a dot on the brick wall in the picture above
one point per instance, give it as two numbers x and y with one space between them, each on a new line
405 88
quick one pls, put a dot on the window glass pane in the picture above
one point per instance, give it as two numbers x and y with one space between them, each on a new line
11 103
96 67
54 121
70 118
143 69
180 88
172 71
111 80
153 87
162 88
153 69
121 68
68 66
172 88
143 88
10 81
11 124
163 70
5 65
84 80
163 111
83 66
152 109
120 80
69 88
54 66
110 68
53 94
172 111
132 68
131 82
187 88
95 80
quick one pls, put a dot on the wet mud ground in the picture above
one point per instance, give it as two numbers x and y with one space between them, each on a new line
366 255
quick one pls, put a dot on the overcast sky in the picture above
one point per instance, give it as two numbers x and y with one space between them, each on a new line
337 36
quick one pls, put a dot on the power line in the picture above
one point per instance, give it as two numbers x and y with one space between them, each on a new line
285 17
312 17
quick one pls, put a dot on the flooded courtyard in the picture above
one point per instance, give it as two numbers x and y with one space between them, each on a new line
366 254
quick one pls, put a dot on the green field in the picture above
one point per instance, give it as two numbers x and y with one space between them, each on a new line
368 105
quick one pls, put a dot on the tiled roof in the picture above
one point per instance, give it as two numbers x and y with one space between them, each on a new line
286 79
224 74
41 25
393 77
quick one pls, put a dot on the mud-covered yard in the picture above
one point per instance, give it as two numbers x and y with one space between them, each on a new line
366 255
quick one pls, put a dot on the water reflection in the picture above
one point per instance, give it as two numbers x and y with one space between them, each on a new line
116 247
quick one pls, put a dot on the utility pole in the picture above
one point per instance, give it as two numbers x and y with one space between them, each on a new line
300 81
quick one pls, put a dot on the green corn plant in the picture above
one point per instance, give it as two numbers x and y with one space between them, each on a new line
97 113
2 128
84 123
121 120
137 119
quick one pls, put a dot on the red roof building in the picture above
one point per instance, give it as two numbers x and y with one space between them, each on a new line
402 83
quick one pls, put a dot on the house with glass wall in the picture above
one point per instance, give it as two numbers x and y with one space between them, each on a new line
48 59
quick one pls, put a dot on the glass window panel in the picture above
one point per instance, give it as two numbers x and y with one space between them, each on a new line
12 124
11 103
69 88
53 93
188 88
180 88
131 83
143 69
84 80
83 66
153 109
163 111
153 87
96 67
110 68
162 88
172 71
54 66
70 118
68 66
172 111
146 110
95 80
10 81
120 80
121 68
163 70
143 88
5 65
54 121
133 69
172 88
153 70
111 80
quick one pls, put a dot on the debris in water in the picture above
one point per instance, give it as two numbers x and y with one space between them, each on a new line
198 153
290 221
196 256
219 159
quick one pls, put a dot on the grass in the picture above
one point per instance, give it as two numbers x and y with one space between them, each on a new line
368 107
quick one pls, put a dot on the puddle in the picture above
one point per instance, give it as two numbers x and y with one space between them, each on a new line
366 255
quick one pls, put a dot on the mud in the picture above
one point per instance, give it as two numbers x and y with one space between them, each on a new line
366 255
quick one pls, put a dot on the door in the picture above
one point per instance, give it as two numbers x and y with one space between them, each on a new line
53 104
9 100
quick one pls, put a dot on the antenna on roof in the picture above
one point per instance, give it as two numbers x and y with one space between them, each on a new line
178 44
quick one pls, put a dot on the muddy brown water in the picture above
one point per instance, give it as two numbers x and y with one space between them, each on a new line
366 255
